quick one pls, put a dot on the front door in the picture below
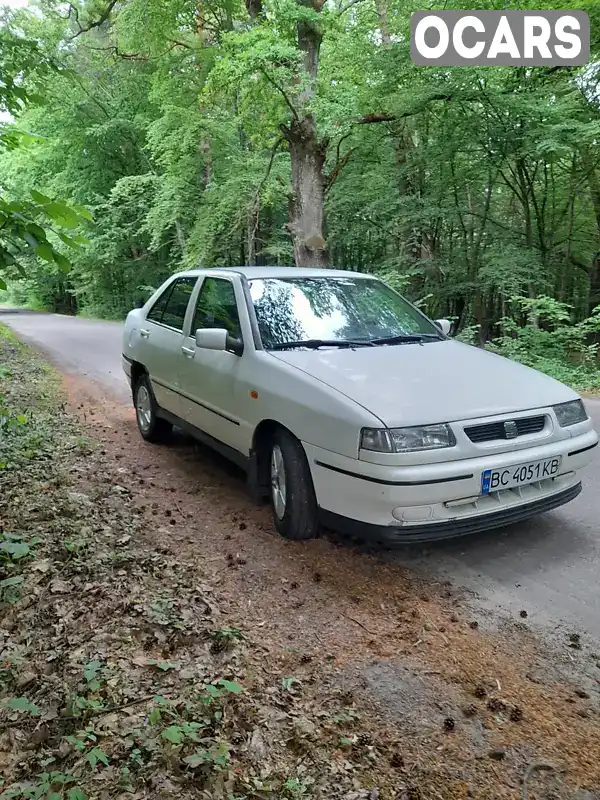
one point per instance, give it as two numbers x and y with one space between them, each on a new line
209 379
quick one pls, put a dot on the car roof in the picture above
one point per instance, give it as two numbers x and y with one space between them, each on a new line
281 272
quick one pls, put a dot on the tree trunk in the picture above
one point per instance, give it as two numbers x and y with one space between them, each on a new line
307 155
180 238
384 26
306 208
252 223
594 296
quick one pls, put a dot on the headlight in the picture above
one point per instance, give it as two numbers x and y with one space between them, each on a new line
407 440
570 413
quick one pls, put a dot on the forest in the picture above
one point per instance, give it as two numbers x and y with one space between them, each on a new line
142 137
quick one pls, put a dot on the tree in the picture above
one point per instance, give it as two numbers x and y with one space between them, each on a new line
212 132
28 226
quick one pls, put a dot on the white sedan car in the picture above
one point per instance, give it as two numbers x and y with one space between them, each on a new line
348 407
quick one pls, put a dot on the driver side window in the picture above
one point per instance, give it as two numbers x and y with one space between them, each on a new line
217 307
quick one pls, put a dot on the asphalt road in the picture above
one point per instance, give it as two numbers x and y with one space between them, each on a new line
85 347
549 566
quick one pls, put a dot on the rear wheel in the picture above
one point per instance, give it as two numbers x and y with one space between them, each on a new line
151 426
293 498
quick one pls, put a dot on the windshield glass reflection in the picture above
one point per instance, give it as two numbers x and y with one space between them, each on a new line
358 309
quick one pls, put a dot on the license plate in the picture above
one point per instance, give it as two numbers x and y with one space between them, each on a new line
494 480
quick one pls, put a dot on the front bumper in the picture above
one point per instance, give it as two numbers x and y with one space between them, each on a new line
434 500
451 528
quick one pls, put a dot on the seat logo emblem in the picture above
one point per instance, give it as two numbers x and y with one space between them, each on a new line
510 429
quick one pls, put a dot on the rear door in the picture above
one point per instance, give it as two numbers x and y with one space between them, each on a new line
212 381
161 337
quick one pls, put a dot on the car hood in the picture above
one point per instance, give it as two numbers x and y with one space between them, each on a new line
413 384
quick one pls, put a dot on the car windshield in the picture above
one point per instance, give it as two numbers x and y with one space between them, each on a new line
335 311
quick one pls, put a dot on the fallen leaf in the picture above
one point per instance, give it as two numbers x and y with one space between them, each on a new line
43 565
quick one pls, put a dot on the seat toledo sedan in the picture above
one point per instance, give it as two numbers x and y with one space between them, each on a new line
349 408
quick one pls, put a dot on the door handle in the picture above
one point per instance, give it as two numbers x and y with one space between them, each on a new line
145 333
188 351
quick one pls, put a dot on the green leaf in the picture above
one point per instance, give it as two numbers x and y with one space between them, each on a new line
76 794
15 549
45 251
70 242
39 233
83 212
95 755
14 581
173 734
62 214
231 686
197 759
2 285
91 669
6 258
63 263
22 704
31 240
39 197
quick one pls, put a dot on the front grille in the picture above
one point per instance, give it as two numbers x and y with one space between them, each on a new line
495 430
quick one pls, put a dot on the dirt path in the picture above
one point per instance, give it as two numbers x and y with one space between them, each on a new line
548 565
467 709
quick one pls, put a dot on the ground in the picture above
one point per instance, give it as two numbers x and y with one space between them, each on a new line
165 642
548 565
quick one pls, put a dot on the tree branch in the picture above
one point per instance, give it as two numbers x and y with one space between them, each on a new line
137 56
340 163
96 24
370 119
334 174
348 5
274 150
275 85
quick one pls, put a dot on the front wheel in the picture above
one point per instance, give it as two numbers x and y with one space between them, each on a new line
152 427
293 498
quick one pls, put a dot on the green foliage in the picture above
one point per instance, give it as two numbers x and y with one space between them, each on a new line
216 758
30 228
15 550
49 785
550 342
22 704
295 788
173 123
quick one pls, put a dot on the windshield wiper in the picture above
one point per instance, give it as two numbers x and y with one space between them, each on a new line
315 343
407 338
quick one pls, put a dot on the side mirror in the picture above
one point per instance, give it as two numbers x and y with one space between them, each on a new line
444 325
211 338
218 339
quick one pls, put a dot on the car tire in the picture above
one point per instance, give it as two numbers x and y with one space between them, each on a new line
293 500
152 427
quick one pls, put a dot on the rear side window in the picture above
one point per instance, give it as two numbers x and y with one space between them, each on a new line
172 304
